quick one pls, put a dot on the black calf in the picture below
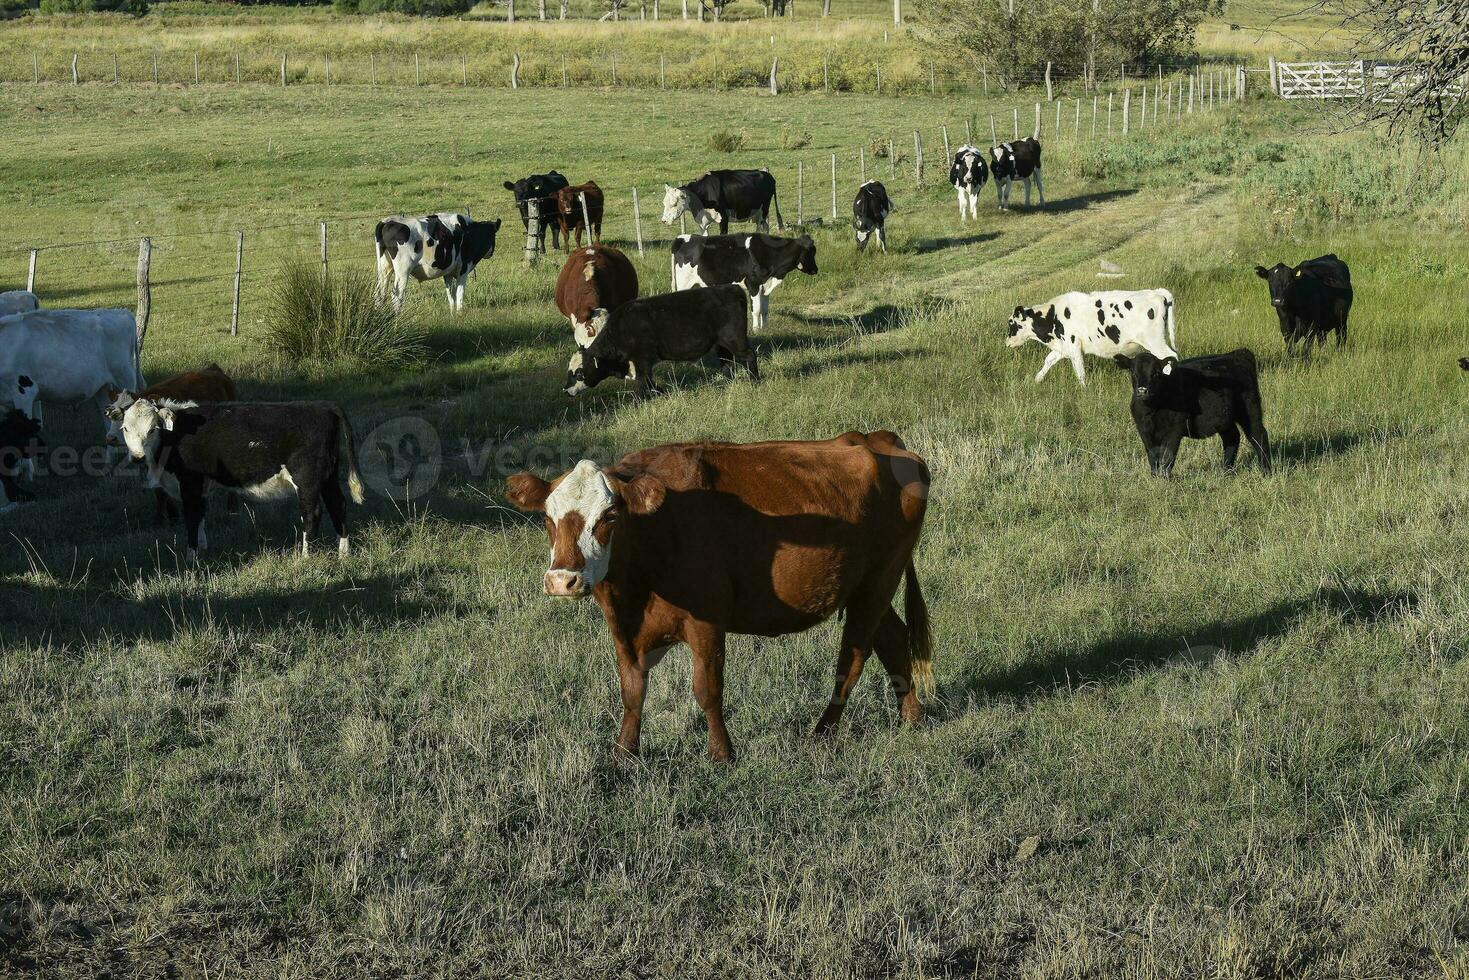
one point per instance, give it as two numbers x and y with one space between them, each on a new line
1218 395
20 436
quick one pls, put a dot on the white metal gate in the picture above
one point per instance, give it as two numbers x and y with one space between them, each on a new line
1322 80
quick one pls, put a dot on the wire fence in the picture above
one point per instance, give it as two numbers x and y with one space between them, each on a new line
224 276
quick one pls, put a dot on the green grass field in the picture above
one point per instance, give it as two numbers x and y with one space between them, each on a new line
1206 727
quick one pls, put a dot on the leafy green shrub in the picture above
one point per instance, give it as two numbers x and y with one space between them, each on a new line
338 316
727 141
136 7
10 8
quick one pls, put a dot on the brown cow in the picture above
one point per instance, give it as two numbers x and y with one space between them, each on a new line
686 543
569 214
209 384
598 277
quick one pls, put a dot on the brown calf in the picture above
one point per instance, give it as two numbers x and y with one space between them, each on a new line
687 543
569 214
209 384
598 277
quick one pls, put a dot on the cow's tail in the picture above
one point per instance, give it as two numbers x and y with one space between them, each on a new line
354 475
780 223
920 641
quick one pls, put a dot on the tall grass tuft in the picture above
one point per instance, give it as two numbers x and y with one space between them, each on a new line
339 316
727 141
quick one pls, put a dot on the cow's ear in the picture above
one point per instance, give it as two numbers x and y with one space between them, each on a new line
643 494
166 416
509 186
1168 364
496 224
1262 272
527 492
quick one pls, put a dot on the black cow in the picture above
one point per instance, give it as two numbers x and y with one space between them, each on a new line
1217 395
870 210
265 450
1464 363
968 174
1312 300
725 196
759 263
542 189
20 437
1019 160
444 246
669 327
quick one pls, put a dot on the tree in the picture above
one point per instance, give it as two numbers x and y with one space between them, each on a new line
1426 45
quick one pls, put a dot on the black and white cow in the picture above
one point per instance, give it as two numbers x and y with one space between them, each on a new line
20 437
758 263
870 210
725 196
542 189
1113 325
668 327
1311 300
1217 395
437 246
1018 160
264 450
968 174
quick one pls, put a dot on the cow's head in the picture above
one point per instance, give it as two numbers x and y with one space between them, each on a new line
807 251
585 330
583 509
477 240
1280 277
676 200
968 169
1150 374
19 391
1027 324
118 402
585 371
143 425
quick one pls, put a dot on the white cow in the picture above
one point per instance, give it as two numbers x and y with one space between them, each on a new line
18 301
1113 324
68 356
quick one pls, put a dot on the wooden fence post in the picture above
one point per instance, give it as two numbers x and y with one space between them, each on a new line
825 78
947 155
1037 133
1191 95
994 140
1076 128
115 76
614 69
800 193
968 134
862 164
155 69
75 78
1015 111
1057 133
283 70
1109 113
1094 116
31 271
328 68
637 214
532 231
833 187
662 71
586 217
774 64
237 67
1048 82
145 291
323 250
515 70
417 72
196 67
372 70
565 78
1126 110
464 68
239 273
35 68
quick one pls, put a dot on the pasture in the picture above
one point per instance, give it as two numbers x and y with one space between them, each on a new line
1211 726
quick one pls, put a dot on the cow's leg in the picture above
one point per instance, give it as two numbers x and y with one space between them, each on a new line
1230 437
1027 192
864 612
706 643
336 509
751 364
890 643
1078 364
191 499
633 681
449 291
1255 430
882 239
1052 359
726 361
308 498
643 385
400 286
960 193
764 301
1167 455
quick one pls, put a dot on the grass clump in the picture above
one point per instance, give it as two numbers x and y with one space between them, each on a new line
727 141
339 315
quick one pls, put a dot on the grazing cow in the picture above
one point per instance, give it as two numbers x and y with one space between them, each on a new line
542 189
1127 323
437 246
669 327
20 436
1217 395
968 174
1312 300
1020 160
725 196
759 263
687 543
18 301
67 356
1464 363
870 210
209 384
569 213
264 450
598 277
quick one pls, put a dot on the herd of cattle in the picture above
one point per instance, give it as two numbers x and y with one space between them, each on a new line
680 543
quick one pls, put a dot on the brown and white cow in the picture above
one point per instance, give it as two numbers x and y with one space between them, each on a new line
598 277
569 213
686 543
208 384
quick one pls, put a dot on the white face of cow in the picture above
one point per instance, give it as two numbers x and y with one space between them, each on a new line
116 409
142 425
1022 327
18 391
675 202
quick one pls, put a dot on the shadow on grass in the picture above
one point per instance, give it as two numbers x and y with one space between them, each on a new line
1122 657
1083 202
926 246
1309 450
